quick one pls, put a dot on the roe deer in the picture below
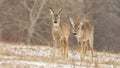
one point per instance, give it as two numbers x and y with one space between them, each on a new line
60 32
84 32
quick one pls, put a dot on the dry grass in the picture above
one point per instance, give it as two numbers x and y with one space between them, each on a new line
8 53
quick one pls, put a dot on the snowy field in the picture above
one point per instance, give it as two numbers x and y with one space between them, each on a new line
24 56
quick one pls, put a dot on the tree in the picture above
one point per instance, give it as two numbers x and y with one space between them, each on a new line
34 15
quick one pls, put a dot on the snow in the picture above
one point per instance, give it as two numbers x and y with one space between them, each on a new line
25 56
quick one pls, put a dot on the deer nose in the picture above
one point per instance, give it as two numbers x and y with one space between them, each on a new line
74 33
55 21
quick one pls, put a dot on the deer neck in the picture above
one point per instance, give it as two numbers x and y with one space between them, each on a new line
56 27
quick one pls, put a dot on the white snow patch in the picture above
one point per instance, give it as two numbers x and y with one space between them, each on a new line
44 51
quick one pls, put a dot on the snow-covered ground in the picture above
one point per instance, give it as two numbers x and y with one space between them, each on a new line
25 56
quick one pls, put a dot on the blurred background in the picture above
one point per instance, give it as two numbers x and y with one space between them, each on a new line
29 21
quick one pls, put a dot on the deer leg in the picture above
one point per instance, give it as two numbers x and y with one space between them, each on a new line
84 49
81 52
54 49
92 48
67 46
61 47
79 47
64 48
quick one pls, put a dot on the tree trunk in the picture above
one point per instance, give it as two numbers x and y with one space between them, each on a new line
34 15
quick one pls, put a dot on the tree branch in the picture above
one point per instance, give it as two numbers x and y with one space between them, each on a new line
25 5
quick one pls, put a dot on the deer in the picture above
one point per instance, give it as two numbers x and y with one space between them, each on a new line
60 32
84 33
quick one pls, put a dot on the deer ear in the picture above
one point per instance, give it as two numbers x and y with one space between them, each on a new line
59 12
72 22
51 11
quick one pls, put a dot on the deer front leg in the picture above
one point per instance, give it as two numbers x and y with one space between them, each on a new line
65 45
79 47
81 51
92 48
61 47
54 48
84 49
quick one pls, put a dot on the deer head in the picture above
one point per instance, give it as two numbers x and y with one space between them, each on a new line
55 16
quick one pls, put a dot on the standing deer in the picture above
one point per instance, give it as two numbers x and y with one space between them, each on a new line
60 32
84 32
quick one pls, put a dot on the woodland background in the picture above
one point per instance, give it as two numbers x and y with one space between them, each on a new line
29 21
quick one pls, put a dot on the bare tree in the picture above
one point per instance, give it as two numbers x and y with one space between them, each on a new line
1 1
34 15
